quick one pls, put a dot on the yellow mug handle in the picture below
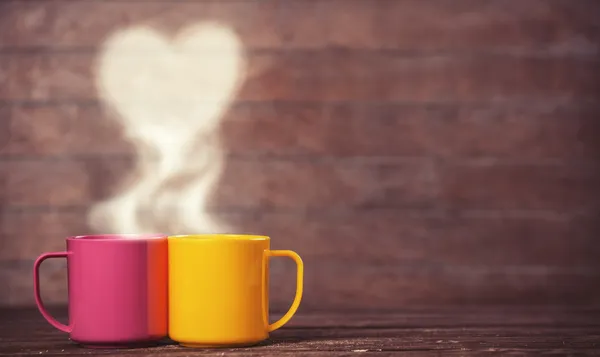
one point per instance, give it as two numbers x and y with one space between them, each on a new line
299 286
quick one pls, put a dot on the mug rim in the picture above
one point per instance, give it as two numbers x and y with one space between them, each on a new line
115 237
220 237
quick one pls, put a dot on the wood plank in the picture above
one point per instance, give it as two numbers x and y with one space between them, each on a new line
63 129
243 183
5 126
87 24
26 235
491 186
385 77
340 76
289 129
370 237
397 237
17 279
334 286
310 185
61 183
443 319
5 69
447 131
405 25
393 287
323 184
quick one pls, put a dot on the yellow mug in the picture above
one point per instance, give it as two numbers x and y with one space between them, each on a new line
218 289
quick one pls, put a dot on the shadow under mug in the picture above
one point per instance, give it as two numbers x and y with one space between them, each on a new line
117 289
218 289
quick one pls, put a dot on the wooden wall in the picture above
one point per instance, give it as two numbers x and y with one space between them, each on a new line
413 152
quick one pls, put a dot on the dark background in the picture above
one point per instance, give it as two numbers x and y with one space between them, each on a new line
412 152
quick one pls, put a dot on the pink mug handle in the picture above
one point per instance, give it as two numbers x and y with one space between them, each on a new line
36 289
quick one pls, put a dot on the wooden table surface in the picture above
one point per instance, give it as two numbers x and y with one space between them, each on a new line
457 331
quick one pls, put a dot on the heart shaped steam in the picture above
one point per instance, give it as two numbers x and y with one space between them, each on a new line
170 98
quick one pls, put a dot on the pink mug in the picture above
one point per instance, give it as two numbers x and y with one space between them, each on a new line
118 289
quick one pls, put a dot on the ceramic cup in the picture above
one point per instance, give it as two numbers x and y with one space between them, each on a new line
218 289
117 289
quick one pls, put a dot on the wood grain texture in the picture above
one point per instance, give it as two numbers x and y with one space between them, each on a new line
60 183
340 75
342 184
62 129
461 25
529 131
412 332
376 237
522 187
350 286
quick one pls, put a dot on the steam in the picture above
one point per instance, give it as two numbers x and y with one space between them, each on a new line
170 98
